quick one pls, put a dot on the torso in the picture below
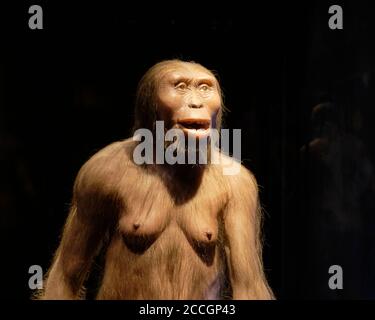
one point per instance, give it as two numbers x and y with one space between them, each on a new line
164 246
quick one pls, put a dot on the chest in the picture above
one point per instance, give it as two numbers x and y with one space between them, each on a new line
151 207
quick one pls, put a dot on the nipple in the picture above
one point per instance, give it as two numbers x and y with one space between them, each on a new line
136 226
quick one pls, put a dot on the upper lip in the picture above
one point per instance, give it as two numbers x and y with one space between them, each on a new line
191 123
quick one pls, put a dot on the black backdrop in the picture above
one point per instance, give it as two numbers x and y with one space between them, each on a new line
67 90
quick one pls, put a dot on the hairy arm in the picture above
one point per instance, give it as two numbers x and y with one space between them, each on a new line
242 223
84 232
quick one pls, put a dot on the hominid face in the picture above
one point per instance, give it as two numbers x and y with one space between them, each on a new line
188 98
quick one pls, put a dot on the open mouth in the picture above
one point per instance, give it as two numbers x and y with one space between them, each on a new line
194 125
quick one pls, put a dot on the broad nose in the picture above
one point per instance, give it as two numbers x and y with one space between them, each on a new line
195 101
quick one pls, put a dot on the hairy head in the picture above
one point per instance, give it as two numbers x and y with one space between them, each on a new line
183 94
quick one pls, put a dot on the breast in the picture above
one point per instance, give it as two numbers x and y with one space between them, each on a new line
168 269
140 229
145 211
202 229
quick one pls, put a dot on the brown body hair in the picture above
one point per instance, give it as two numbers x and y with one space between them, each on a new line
165 225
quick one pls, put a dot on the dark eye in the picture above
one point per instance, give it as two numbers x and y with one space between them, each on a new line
181 86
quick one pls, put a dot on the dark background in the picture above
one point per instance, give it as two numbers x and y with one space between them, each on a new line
67 91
